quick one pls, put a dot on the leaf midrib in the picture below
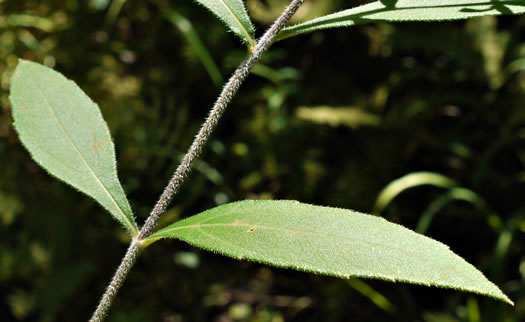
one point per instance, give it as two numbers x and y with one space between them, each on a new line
243 30
62 128
239 224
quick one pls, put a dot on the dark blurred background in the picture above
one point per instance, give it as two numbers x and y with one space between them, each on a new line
334 118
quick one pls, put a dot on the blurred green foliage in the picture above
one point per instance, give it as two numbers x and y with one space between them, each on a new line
446 98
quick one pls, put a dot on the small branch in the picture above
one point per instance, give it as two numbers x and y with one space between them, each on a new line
228 92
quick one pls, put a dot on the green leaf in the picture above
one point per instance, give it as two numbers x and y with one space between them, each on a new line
376 297
454 194
407 10
186 28
233 13
329 241
65 133
411 180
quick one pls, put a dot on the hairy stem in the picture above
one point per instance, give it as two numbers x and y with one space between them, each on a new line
116 282
228 92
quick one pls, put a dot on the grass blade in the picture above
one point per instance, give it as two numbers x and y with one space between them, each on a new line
411 180
186 28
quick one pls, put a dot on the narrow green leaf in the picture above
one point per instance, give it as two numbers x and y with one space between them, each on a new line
411 180
407 10
329 241
454 194
114 11
233 13
186 28
376 297
65 133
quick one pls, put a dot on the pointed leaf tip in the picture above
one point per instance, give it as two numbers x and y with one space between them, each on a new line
233 13
328 241
65 133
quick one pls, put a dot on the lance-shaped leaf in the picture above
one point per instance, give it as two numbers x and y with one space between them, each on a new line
65 133
233 13
329 241
407 10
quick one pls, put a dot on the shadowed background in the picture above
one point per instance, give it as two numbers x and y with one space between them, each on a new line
330 118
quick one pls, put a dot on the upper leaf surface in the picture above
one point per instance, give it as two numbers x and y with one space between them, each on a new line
65 133
233 13
328 241
407 10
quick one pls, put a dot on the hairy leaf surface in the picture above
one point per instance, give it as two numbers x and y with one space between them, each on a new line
407 10
233 13
329 241
65 133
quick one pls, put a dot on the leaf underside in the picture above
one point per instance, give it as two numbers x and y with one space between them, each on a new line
328 241
233 13
407 10
65 133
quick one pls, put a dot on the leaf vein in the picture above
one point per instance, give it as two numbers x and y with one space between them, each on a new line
97 179
243 30
238 224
